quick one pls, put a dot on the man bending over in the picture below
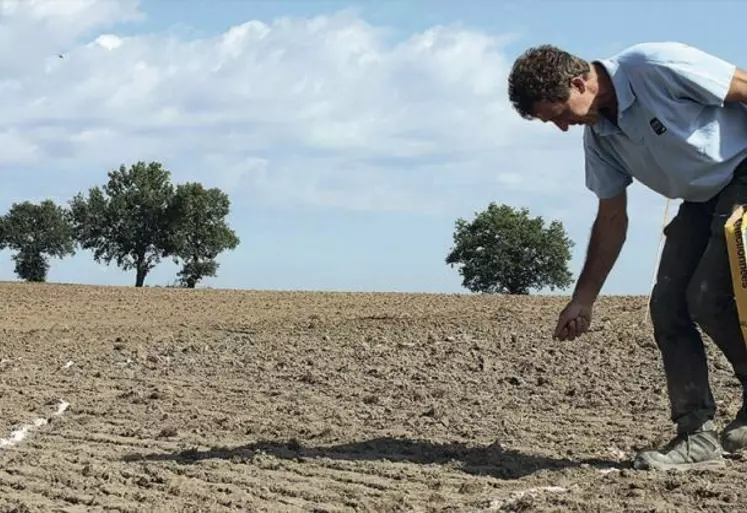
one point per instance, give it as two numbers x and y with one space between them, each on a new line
674 118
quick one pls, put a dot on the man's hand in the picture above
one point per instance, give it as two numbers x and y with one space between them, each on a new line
607 238
574 320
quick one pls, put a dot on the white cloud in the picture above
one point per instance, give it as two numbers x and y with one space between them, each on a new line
108 41
34 31
16 148
321 112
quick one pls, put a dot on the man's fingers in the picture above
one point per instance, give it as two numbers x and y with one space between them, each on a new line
586 323
561 331
567 330
572 329
578 327
583 325
572 323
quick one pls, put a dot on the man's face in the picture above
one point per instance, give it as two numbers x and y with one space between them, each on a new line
578 109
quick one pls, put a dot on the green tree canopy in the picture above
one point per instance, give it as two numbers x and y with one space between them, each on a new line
504 250
36 232
127 220
199 231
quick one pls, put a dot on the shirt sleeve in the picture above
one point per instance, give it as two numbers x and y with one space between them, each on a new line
688 72
604 176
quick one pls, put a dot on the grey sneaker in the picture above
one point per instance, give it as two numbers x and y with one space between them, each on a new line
687 451
734 436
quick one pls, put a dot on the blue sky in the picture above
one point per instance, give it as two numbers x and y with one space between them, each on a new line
349 135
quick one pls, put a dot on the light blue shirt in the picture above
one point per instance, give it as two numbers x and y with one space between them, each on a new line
676 135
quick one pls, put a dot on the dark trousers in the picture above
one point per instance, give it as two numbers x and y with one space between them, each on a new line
693 288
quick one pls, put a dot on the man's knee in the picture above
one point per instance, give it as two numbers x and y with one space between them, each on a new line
707 303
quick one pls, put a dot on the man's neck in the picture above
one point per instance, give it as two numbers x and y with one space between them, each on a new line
606 97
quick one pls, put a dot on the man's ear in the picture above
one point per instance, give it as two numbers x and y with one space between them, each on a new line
579 84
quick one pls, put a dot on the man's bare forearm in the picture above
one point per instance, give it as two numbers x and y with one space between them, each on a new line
607 238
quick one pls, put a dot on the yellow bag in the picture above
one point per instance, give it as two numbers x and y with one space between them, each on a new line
735 228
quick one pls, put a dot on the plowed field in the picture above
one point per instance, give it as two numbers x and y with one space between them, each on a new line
200 400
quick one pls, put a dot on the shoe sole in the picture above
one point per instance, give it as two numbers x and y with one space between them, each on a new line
701 465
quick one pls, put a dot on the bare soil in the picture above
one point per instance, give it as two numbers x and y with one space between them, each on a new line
203 400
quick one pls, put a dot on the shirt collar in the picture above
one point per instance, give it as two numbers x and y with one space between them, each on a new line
623 91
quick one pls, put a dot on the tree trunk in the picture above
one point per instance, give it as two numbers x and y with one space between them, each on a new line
140 278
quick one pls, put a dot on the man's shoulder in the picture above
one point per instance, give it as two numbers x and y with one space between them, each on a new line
651 52
682 69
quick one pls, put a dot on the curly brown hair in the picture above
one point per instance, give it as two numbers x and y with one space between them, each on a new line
543 73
